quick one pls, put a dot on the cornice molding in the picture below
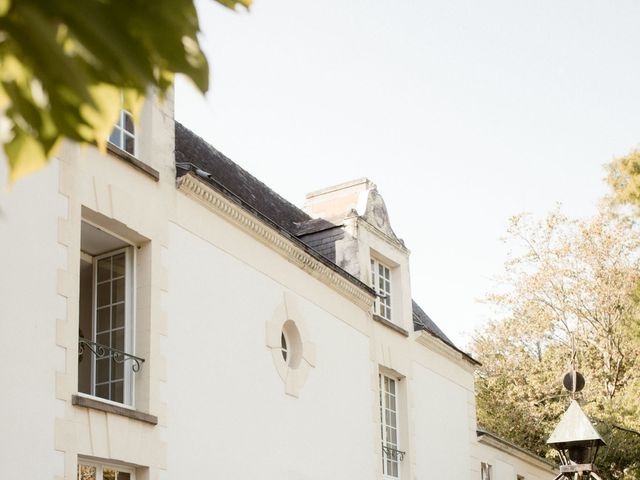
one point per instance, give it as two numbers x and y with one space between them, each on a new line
215 201
511 449
433 343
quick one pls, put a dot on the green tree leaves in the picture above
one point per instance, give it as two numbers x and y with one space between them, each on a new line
570 287
65 66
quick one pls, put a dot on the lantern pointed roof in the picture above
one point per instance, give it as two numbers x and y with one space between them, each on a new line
575 428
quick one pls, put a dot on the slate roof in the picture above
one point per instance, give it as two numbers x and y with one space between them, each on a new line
422 321
193 154
193 150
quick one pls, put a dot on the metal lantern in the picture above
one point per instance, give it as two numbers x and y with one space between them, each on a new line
576 440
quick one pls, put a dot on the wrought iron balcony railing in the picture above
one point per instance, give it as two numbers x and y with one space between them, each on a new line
392 453
104 351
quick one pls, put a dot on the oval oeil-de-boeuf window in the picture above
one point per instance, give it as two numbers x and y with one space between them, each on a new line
291 344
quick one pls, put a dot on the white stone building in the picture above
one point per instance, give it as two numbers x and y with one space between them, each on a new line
165 315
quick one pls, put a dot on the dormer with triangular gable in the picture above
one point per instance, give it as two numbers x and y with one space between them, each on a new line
351 225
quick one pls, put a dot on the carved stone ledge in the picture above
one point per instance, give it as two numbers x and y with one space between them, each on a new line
96 404
391 325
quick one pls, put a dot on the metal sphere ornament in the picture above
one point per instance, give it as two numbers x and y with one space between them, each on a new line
573 381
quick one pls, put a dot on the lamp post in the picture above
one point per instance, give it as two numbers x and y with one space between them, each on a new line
575 438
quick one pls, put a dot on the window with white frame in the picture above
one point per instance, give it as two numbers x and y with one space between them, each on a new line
96 471
381 283
123 134
485 471
106 363
391 455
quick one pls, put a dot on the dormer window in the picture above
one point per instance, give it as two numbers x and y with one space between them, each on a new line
381 283
123 135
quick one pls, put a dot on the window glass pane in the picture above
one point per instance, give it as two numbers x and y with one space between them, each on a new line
117 392
108 474
102 319
124 476
104 294
86 472
114 138
102 370
118 315
104 339
102 391
128 122
129 144
283 343
104 269
118 290
117 370
391 402
117 339
118 265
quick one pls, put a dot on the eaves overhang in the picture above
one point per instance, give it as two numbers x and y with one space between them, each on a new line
430 339
511 448
219 199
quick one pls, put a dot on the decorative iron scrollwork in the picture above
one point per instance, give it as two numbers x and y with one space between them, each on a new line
104 351
392 453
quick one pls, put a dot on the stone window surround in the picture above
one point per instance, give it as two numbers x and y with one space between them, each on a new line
294 370
396 291
383 306
392 412
141 381
387 370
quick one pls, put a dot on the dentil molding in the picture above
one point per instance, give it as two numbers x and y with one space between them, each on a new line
266 234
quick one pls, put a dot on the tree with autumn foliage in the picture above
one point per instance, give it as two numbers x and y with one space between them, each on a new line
568 297
66 67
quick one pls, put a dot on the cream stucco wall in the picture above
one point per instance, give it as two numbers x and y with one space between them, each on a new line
507 462
229 411
444 416
29 305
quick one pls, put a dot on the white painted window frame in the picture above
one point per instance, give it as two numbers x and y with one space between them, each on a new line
129 323
100 466
382 304
486 471
119 127
384 406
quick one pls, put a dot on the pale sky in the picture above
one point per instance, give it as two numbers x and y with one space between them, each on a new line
463 112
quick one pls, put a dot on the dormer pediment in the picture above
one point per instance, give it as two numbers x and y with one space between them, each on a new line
357 198
376 214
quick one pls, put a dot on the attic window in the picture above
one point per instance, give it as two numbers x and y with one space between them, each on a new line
381 283
123 135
